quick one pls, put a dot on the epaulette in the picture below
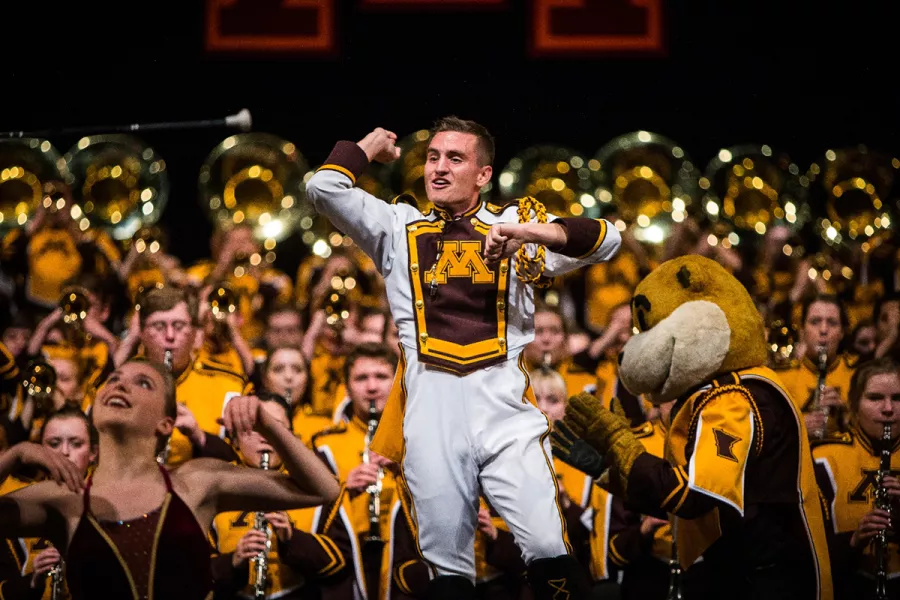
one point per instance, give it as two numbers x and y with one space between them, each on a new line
406 199
845 439
208 365
498 208
643 430
336 428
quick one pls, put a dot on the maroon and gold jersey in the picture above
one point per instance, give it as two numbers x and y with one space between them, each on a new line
801 379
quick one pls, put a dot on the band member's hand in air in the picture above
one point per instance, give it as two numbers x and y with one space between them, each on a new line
504 239
248 547
380 146
186 423
362 477
43 562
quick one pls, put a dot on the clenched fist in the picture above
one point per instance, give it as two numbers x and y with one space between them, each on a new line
380 146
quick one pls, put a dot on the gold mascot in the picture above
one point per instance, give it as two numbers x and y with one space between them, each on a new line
737 479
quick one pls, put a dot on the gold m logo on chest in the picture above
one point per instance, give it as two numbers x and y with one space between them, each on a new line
461 259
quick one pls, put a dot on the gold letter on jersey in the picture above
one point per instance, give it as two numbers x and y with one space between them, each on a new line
461 259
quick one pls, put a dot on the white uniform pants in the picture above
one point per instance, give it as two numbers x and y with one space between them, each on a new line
470 435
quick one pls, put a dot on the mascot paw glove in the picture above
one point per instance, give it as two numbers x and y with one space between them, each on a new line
608 433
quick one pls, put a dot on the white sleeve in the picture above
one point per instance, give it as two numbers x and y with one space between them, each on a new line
372 223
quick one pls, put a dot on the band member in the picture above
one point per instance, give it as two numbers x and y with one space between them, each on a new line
550 350
306 549
167 323
847 470
824 322
26 563
285 372
462 304
133 527
369 375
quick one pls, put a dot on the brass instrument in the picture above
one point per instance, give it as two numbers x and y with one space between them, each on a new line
855 190
781 341
816 406
259 180
645 182
39 382
882 502
374 490
28 169
557 177
74 304
118 184
340 298
748 190
261 561
222 302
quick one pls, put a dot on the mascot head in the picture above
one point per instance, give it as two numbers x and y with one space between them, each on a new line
695 321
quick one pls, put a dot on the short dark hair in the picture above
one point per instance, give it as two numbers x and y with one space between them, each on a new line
281 308
826 299
72 412
862 375
167 298
369 350
485 139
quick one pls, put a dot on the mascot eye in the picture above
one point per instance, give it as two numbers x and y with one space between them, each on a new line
640 305
684 277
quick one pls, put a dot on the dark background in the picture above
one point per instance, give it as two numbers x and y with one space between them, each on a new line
798 76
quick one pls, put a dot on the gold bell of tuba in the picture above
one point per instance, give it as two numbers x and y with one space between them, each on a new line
119 184
748 190
646 183
75 304
342 295
259 180
28 169
855 190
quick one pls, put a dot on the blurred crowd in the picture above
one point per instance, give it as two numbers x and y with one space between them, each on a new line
321 348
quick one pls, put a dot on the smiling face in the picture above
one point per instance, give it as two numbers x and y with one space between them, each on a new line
454 173
135 398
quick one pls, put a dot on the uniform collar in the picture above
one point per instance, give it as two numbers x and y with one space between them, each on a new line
446 216
873 447
810 365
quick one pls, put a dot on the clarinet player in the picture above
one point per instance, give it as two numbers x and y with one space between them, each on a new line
857 473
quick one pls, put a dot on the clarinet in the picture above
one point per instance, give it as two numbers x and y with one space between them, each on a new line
163 456
676 586
56 581
882 502
817 395
261 562
374 490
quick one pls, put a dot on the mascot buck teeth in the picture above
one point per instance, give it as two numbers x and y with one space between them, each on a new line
737 479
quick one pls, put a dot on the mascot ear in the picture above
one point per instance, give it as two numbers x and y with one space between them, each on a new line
685 348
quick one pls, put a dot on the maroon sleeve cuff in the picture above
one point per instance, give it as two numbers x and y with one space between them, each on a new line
583 236
412 577
347 158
